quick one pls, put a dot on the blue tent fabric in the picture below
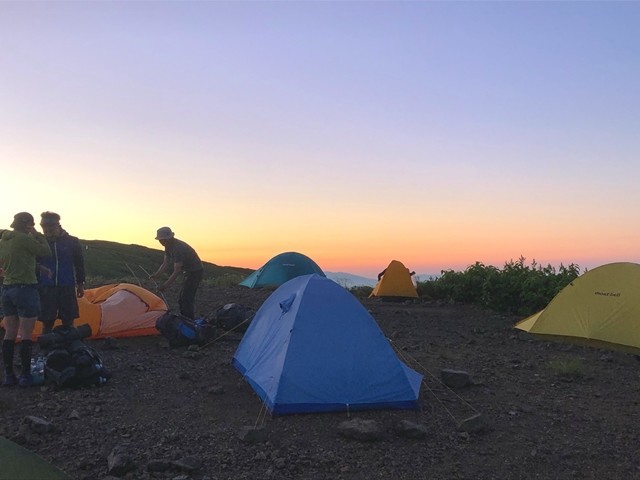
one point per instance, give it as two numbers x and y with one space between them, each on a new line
281 268
313 347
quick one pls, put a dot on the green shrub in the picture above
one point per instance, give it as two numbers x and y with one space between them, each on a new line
361 292
517 289
226 280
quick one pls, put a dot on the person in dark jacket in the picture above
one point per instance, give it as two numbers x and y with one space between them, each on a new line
184 259
20 300
61 276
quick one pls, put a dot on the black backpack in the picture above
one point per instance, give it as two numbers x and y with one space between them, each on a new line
233 316
69 362
181 330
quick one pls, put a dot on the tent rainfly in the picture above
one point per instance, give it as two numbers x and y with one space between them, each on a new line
18 463
281 268
118 310
600 308
313 347
395 282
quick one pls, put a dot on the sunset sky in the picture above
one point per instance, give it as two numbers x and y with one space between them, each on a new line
435 133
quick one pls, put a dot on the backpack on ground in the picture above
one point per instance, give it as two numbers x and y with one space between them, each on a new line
182 331
69 362
233 316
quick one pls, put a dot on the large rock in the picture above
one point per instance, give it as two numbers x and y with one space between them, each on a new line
119 462
455 378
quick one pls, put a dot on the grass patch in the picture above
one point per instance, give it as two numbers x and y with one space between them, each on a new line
224 280
568 368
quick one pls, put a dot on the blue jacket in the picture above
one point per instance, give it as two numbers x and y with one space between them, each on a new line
66 262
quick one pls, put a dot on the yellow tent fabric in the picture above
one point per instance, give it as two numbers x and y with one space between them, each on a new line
396 282
601 308
118 310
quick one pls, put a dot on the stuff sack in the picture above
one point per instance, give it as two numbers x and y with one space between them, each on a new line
181 330
232 317
69 362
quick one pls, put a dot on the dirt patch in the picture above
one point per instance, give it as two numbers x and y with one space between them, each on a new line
178 414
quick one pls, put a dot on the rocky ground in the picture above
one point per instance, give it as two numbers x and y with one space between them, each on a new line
550 411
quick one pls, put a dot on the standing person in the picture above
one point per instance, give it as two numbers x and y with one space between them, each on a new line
1 280
20 300
61 279
184 259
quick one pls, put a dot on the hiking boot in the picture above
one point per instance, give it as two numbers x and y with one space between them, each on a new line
25 380
9 380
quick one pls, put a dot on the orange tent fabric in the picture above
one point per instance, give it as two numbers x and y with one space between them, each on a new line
396 282
118 310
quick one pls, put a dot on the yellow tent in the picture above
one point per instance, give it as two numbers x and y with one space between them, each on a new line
395 282
601 308
118 310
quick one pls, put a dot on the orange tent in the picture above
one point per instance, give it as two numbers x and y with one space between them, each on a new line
395 282
118 310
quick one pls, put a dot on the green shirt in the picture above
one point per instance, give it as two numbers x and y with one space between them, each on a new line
18 252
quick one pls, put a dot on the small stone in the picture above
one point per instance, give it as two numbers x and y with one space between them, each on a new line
474 424
364 430
188 464
39 425
409 429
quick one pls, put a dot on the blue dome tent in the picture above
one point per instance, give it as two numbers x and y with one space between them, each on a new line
313 347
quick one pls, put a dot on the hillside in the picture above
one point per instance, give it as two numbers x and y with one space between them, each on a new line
112 260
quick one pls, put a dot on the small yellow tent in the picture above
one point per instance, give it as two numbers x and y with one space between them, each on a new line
601 308
118 310
395 282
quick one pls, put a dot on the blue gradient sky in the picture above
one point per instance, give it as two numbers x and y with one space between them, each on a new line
434 133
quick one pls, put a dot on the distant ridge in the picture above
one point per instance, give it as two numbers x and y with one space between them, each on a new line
424 277
114 261
349 280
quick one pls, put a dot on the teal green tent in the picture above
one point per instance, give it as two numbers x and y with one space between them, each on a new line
280 269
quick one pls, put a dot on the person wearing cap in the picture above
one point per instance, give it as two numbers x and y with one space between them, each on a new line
61 275
20 300
184 260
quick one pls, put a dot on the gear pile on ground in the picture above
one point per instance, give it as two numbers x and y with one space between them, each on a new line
495 404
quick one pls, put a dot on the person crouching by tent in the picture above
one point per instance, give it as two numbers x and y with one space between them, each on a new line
20 299
61 279
381 274
184 259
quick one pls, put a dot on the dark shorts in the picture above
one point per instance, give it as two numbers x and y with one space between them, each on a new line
20 300
58 302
